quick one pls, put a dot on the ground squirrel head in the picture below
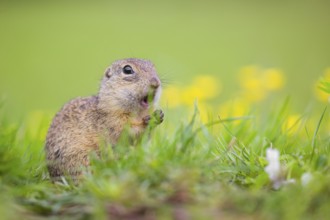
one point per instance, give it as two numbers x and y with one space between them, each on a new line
129 86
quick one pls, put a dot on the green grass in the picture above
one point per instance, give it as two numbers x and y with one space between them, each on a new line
200 171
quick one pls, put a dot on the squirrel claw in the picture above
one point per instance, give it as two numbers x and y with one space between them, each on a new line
158 115
156 118
146 119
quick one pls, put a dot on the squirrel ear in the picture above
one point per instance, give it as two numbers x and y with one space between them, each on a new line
108 73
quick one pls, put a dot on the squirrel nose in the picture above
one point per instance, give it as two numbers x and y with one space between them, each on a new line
154 82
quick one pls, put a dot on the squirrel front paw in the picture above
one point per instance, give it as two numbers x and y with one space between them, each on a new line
156 118
146 119
158 115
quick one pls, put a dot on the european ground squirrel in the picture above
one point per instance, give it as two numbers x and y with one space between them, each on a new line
128 91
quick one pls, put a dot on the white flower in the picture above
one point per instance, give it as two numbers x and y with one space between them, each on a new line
306 178
274 170
274 167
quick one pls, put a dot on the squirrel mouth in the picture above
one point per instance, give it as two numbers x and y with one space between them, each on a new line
146 100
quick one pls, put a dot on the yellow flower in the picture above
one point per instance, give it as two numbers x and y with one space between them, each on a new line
257 83
252 84
321 95
208 86
171 97
205 111
292 124
273 79
234 108
249 77
190 94
203 87
255 95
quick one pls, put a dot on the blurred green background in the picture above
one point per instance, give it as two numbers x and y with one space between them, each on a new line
53 51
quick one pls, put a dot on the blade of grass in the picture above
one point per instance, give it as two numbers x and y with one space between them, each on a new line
220 121
315 133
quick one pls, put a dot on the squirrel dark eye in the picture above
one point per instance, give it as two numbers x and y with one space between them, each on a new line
128 69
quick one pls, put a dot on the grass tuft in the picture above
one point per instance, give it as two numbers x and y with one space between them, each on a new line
212 170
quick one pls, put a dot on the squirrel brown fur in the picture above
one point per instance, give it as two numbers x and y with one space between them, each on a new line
128 91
